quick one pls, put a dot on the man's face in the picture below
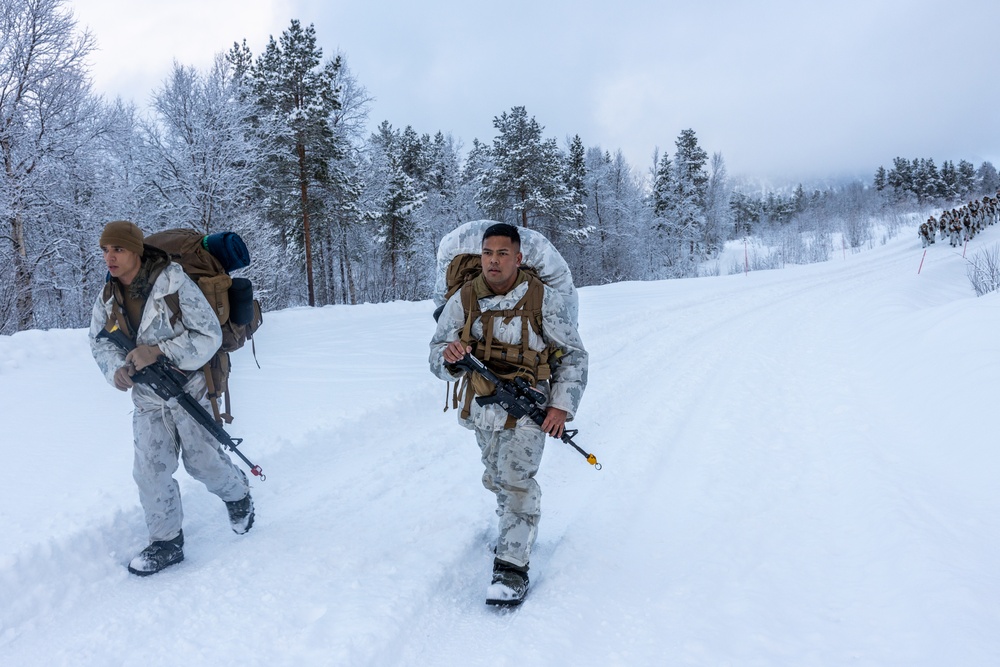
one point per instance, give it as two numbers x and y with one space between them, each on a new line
501 259
122 264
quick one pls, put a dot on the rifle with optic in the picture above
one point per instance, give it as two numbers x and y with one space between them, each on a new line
518 398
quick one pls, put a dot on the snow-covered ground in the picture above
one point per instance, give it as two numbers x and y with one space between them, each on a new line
800 467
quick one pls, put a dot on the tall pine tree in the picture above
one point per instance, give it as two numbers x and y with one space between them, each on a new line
298 91
966 180
692 190
576 175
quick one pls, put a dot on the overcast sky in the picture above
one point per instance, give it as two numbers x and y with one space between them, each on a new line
784 89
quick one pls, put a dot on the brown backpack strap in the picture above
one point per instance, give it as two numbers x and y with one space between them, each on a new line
534 299
214 391
471 306
174 304
518 360
117 315
228 414
466 389
213 396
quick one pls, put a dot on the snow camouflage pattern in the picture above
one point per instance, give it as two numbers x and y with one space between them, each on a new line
162 430
188 344
511 457
536 252
569 377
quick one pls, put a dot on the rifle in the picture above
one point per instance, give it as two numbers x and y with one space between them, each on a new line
168 382
519 398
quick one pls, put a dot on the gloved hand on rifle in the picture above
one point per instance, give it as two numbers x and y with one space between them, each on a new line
143 355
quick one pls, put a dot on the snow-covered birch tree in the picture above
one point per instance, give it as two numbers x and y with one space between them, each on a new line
47 115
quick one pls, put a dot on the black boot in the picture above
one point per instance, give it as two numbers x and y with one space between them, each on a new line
158 555
240 514
509 585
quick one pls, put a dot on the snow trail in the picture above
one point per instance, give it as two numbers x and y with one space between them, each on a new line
798 469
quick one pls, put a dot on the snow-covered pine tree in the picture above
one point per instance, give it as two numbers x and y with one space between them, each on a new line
443 173
900 179
576 177
747 212
409 148
966 180
397 229
691 191
927 182
987 179
879 181
936 187
394 198
525 184
949 182
478 163
442 187
664 189
298 94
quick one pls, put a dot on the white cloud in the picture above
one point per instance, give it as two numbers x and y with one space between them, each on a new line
138 40
780 88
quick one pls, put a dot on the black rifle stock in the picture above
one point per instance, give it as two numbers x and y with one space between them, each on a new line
168 382
519 398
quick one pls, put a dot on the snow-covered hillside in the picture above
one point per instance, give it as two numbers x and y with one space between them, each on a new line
799 468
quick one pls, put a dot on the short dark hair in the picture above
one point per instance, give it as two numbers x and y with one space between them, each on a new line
503 229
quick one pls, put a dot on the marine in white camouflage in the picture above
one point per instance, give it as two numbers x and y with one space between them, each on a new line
162 430
511 457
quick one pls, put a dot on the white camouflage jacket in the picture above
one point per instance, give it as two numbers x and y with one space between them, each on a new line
189 343
569 378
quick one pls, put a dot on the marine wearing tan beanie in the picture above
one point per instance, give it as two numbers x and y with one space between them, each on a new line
123 234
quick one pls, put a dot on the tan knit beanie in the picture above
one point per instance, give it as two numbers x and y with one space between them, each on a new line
123 234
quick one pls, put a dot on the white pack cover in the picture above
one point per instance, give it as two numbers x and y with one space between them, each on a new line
536 251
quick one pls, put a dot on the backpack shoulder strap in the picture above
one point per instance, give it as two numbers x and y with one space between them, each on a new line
533 301
117 316
470 304
173 301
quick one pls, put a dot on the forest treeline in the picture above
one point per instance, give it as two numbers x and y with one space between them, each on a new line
277 146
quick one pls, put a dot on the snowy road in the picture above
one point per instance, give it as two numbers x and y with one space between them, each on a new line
799 468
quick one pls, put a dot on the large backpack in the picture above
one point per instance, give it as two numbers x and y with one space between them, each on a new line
208 260
459 270
458 261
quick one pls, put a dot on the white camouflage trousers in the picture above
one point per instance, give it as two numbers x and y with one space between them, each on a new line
511 458
162 431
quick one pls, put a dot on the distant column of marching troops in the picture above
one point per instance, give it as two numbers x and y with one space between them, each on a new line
961 224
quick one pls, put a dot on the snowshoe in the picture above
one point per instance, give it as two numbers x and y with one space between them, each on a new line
240 514
158 555
509 585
